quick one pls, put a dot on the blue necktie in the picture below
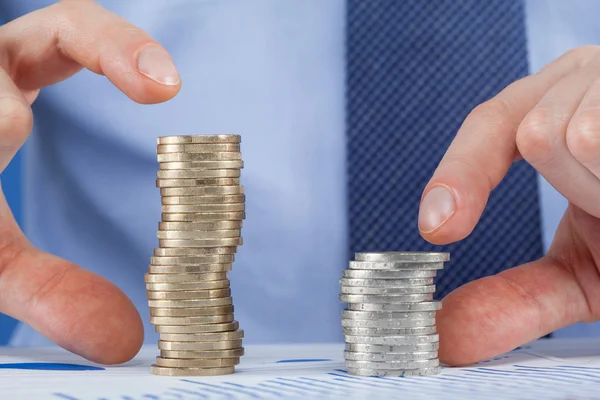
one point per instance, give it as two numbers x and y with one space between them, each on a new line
415 69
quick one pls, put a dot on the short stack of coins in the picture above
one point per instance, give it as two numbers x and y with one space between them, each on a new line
389 324
203 205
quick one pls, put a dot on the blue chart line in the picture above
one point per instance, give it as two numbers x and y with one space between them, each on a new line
50 367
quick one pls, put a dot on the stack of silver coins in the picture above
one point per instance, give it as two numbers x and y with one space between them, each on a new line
389 325
189 295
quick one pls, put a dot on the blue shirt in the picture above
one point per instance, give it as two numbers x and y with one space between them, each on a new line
271 71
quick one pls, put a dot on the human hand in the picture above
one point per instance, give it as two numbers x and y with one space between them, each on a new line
74 308
552 120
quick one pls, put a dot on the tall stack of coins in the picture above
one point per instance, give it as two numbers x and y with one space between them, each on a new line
389 325
189 295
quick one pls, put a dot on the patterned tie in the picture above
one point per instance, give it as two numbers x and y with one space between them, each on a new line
415 69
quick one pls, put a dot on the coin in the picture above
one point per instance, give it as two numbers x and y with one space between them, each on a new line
191 312
187 278
403 256
388 291
200 226
191 252
394 372
203 191
202 337
378 357
196 148
214 320
173 183
197 363
181 139
222 345
232 353
388 283
371 298
209 156
208 259
233 216
222 301
232 233
370 315
393 340
399 274
175 287
201 165
200 328
422 330
394 266
200 208
391 349
197 174
189 269
404 364
428 306
227 199
197 294
387 323
166 371
200 242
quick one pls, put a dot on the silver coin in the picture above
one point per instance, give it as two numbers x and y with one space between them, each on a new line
371 298
191 312
206 139
197 363
388 290
167 371
400 307
382 357
226 199
222 301
189 269
388 283
387 323
200 208
172 183
197 148
208 259
371 315
393 340
201 165
203 328
168 323
197 294
194 252
403 256
395 266
202 337
197 174
231 233
203 191
413 364
200 226
203 217
394 372
423 330
231 353
208 156
184 286
200 242
221 345
396 275
391 349
186 278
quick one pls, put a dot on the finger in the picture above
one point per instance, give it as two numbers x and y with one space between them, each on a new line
51 44
74 308
482 152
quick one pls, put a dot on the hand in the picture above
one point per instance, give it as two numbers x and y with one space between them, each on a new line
552 120
76 309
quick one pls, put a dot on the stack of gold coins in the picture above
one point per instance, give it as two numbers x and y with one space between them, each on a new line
189 295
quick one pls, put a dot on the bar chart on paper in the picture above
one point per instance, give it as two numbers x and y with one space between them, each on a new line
547 369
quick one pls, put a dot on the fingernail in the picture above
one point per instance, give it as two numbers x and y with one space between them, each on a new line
157 65
436 208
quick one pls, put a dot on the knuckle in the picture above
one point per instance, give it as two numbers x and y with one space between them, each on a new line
583 136
535 139
16 120
492 109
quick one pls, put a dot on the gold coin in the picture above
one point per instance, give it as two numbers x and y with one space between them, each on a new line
224 345
225 199
231 233
200 242
207 139
190 312
196 148
203 191
200 226
197 363
189 269
233 353
202 337
164 371
181 286
201 208
178 324
187 278
191 252
197 294
203 217
222 301
208 156
209 259
201 165
197 328
170 183
191 174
